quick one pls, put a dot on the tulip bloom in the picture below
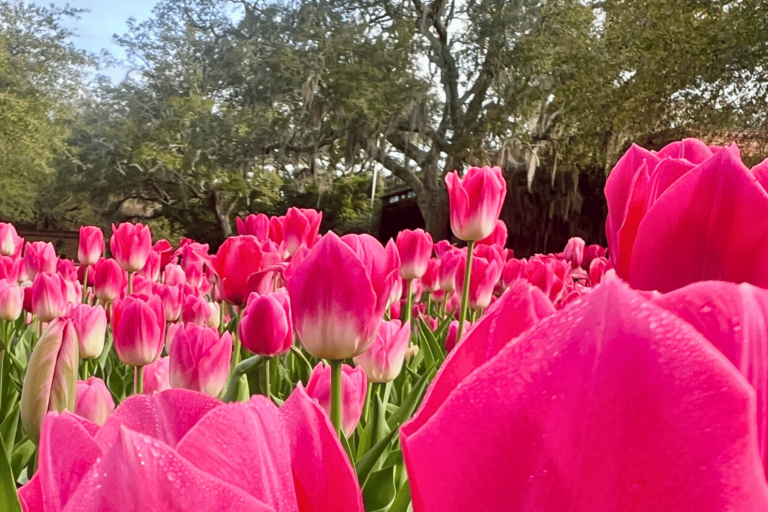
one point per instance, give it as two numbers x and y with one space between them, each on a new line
597 270
498 238
476 201
10 241
40 257
353 389
93 401
49 296
90 323
139 329
13 269
574 252
414 248
156 375
11 300
195 309
130 245
50 383
164 249
430 281
484 275
91 245
238 258
174 274
383 360
254 225
300 227
453 332
451 265
199 359
171 298
108 280
151 269
266 327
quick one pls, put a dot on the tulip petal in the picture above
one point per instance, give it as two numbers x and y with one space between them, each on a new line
711 224
166 416
665 175
611 404
324 478
693 150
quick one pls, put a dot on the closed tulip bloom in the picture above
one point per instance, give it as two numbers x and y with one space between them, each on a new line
415 249
200 359
13 269
174 274
353 388
597 270
67 270
10 241
591 252
130 245
254 225
139 329
453 332
238 258
156 376
476 201
39 257
90 324
276 229
50 383
108 279
94 401
498 238
215 313
195 309
430 281
151 269
171 298
266 328
91 245
11 300
451 265
164 249
301 227
513 270
49 296
383 360
574 252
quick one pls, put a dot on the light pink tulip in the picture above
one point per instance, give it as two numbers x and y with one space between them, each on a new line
195 309
301 227
171 297
151 269
254 225
108 280
11 300
10 241
91 245
415 249
49 296
476 201
130 245
451 265
94 401
574 252
174 274
39 257
156 375
266 328
200 359
353 388
90 323
383 360
139 329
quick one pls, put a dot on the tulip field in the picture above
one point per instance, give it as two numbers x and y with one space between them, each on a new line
294 371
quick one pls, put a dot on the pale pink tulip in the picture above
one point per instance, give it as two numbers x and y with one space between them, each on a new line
383 360
94 401
90 324
353 388
91 245
130 245
199 359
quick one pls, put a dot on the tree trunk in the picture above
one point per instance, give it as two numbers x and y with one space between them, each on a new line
435 210
222 216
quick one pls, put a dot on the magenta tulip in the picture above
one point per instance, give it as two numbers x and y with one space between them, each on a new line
301 227
574 252
451 265
11 300
597 270
266 328
171 298
90 323
164 249
93 401
591 253
238 258
453 332
612 390
276 229
353 388
49 296
13 269
415 249
430 281
476 201
39 258
254 225
195 309
108 280
156 375
151 269
513 270
139 329
130 245
10 241
551 275
67 270
383 360
498 238
199 359
485 273
91 245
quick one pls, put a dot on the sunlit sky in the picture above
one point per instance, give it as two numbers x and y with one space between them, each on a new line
95 28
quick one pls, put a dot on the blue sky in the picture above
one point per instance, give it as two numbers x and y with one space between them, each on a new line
95 28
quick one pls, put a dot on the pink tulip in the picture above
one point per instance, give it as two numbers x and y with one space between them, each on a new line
194 274
551 275
513 270
453 333
108 280
476 201
597 270
67 270
50 383
574 252
139 329
130 245
141 286
156 376
276 229
498 238
592 252
415 249
485 273
301 227
200 359
430 281
151 269
11 300
171 298
441 247
195 309
14 270
94 401
90 323
238 258
254 225
39 257
91 245
10 241
451 265
174 275
164 249
613 390
49 296
383 360
339 294
266 327
353 389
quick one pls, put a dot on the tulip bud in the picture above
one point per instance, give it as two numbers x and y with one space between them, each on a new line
301 227
50 383
94 401
194 274
130 245
11 300
49 296
139 329
597 270
108 280
171 298
74 292
430 281
453 330
353 388
91 245
476 201
13 269
266 328
156 377
214 319
574 252
199 359
90 324
10 241
173 275
415 248
40 257
383 360
451 264
151 269
513 270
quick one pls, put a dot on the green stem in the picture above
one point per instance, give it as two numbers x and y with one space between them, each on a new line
336 396
130 283
465 294
367 403
138 380
429 305
267 392
246 366
222 306
85 284
387 391
236 339
408 302
83 370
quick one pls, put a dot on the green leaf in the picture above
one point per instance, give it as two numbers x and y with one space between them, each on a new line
425 349
304 367
376 429
403 499
8 430
412 400
238 373
105 353
243 391
368 462
9 501
22 454
116 385
394 458
379 491
434 346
